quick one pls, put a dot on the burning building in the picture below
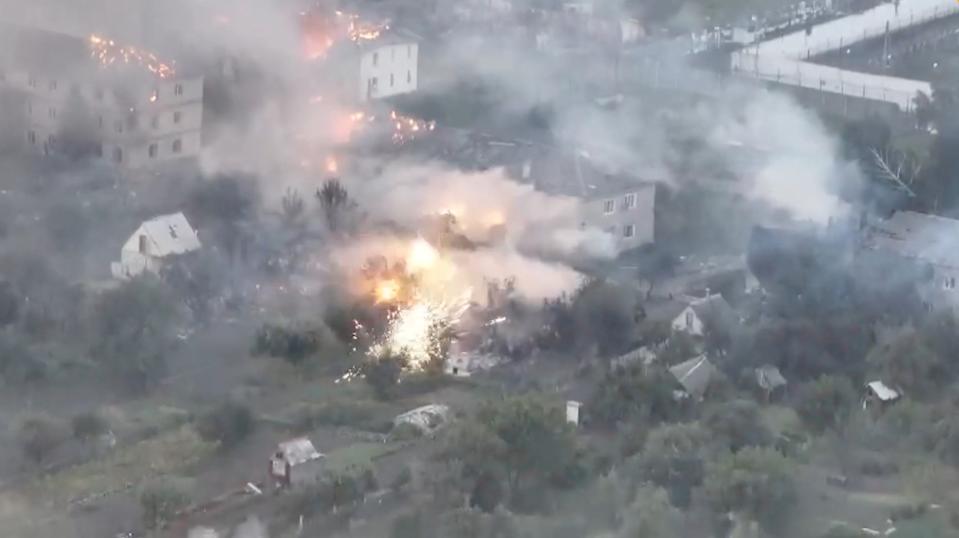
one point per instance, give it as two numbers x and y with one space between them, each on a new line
96 97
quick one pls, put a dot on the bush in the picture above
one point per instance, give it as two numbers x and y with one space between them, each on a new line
383 374
88 425
40 435
405 432
294 346
366 415
227 424
161 501
403 479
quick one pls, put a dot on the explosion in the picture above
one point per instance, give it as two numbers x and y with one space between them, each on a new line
108 52
424 304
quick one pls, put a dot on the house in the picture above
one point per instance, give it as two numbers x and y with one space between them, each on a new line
427 419
641 355
378 67
71 96
154 244
465 364
879 395
694 375
296 463
572 412
711 312
615 203
928 243
769 379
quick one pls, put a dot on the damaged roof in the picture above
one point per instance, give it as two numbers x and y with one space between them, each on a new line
882 391
694 375
169 234
575 174
920 236
768 377
298 451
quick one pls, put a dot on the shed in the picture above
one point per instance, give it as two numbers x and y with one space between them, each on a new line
694 375
879 392
296 463
769 378
572 412
427 419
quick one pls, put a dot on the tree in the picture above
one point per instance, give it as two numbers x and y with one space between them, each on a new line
651 516
221 205
68 225
134 329
910 363
334 201
825 404
227 424
292 204
672 458
39 435
161 501
89 425
634 394
737 424
605 315
756 482
383 373
294 345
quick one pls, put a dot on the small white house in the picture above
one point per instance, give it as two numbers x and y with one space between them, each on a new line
154 244
879 394
427 419
296 463
700 312
572 412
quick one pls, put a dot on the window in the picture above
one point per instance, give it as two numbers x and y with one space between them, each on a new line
155 122
629 230
51 140
609 207
177 116
118 126
409 51
52 113
154 95
118 158
376 58
142 245
32 82
177 146
409 77
131 122
949 283
689 319
393 53
629 201
53 86
32 137
178 90
391 80
152 151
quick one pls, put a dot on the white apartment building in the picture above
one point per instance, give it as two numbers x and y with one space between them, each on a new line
65 101
377 68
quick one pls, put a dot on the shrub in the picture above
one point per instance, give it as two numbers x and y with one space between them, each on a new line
405 432
294 346
383 374
88 425
40 435
227 424
161 501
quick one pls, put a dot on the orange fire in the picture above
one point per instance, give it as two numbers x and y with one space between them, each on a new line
331 165
387 291
108 52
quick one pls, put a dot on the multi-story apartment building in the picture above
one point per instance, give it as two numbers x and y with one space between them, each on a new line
377 68
60 96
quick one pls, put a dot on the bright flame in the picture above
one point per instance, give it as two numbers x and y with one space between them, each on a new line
331 165
422 256
108 52
387 291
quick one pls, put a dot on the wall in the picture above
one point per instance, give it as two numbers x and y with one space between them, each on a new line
641 216
379 63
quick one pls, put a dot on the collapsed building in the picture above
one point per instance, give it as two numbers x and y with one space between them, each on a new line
94 97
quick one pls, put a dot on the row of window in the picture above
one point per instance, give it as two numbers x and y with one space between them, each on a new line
376 55
117 124
629 202
98 93
629 230
152 150
374 83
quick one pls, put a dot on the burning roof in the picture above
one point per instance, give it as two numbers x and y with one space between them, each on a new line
108 53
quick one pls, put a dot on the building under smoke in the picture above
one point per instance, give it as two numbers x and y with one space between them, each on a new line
95 97
375 63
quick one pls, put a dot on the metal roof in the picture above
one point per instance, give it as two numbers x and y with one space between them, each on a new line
882 391
694 375
298 451
928 238
170 234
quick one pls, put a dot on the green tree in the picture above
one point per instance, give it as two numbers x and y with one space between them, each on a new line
737 424
292 204
636 395
227 424
88 425
383 373
605 315
756 482
651 516
161 501
334 202
909 362
134 330
825 404
673 458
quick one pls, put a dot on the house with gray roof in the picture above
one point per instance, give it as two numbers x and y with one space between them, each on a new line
154 245
694 375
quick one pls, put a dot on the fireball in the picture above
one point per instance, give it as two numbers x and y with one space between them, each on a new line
422 256
387 291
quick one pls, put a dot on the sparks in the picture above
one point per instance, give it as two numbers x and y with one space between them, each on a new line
107 52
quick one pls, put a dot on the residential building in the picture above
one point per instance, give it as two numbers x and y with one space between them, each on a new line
703 314
155 244
376 68
878 395
620 205
927 242
132 115
694 376
296 463
426 419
